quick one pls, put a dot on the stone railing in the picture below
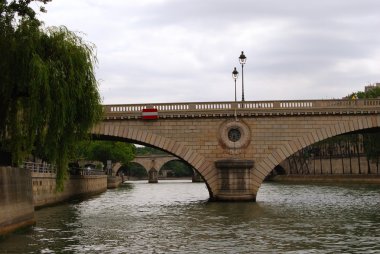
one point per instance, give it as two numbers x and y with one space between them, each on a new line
37 167
248 108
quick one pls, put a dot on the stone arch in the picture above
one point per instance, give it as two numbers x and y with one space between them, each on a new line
263 168
166 161
118 131
146 164
135 163
162 163
115 168
176 159
149 162
142 165
157 161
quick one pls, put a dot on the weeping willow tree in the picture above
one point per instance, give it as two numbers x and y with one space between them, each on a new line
49 95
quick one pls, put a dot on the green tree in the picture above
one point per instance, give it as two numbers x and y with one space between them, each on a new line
179 168
145 150
106 150
371 93
135 170
49 96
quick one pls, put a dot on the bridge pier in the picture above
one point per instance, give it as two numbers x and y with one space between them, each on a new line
196 178
234 180
153 176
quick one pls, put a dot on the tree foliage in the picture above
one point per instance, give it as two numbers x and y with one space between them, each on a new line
371 93
49 95
134 170
179 168
145 150
106 150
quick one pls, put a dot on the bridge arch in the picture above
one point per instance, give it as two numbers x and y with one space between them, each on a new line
264 168
125 168
195 176
130 134
153 164
157 162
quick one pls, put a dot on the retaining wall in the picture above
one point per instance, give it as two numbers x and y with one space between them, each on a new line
114 182
44 188
16 199
338 179
335 166
336 170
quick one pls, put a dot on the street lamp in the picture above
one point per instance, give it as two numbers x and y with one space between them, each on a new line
242 60
235 75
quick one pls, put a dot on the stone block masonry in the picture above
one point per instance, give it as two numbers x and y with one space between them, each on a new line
22 190
114 182
44 188
335 166
16 199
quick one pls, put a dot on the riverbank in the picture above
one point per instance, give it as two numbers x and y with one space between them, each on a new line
114 181
78 186
24 190
354 179
16 200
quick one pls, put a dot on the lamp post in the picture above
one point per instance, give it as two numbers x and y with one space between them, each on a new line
242 60
235 75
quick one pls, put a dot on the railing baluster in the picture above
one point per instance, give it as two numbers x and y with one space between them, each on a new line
134 110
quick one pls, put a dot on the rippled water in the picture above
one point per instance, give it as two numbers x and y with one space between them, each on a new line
175 217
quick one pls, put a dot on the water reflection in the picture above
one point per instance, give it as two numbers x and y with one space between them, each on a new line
176 217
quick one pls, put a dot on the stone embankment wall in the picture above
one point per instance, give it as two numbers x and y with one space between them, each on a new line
44 188
22 190
16 199
334 166
114 181
337 170
336 179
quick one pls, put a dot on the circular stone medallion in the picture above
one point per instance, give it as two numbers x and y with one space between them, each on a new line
234 134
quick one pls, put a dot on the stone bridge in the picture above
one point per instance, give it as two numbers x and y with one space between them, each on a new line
235 145
153 164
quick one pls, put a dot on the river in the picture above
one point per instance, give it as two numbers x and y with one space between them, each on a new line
175 217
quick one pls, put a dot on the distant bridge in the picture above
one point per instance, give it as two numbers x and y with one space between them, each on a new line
153 164
235 145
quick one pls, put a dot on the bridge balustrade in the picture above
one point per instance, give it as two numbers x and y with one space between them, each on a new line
255 105
269 107
210 105
302 104
372 102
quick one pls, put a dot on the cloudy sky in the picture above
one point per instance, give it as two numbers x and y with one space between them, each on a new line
185 50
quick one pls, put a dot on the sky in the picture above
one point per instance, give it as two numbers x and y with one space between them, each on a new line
160 51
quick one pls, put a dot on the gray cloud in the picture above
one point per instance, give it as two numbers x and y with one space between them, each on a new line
178 50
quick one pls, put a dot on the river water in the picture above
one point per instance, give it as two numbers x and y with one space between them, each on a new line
175 217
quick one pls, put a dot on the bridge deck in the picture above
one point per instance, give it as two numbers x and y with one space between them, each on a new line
248 108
